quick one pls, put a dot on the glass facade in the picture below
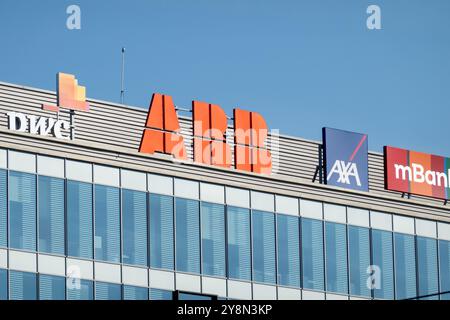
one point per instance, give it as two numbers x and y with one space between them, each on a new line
107 223
336 257
187 235
51 199
61 217
264 264
213 239
161 232
79 220
134 220
239 255
383 259
52 287
22 211
359 260
427 267
108 291
288 250
313 268
405 266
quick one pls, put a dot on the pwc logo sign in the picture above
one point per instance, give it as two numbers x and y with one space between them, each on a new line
345 159
71 96
210 146
417 173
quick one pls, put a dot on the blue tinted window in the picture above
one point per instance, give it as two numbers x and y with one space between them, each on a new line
107 291
288 250
135 293
80 289
158 294
238 228
191 296
444 268
22 210
79 219
427 267
3 209
107 224
3 284
22 285
336 257
359 257
312 254
405 266
213 239
264 264
51 215
161 232
187 235
382 252
134 219
52 287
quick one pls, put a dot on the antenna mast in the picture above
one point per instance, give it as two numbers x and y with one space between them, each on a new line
122 88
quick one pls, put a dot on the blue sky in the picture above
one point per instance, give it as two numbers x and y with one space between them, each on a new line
303 64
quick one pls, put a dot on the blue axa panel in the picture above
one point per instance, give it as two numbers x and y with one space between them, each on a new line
345 159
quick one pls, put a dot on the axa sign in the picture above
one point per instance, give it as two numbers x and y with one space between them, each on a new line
417 173
345 159
71 97
210 146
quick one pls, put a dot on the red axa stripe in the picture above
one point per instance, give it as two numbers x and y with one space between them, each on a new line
400 181
358 147
437 165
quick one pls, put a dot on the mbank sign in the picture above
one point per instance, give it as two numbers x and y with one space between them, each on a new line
417 173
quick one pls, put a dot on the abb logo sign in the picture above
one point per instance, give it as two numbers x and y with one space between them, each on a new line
210 146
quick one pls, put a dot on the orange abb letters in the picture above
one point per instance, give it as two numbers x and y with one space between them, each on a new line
162 129
210 125
250 132
209 129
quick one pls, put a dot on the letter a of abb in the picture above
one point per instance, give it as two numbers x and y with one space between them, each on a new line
250 132
162 129
210 125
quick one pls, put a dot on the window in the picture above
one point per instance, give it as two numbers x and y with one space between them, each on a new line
79 219
187 236
107 291
238 222
22 285
135 293
22 210
80 289
427 267
3 209
312 254
444 268
161 232
158 294
382 252
134 219
288 250
193 296
359 257
3 284
264 264
336 257
51 215
405 266
213 239
52 287
107 224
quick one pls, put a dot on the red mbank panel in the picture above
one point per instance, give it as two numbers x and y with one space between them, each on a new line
392 157
437 165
